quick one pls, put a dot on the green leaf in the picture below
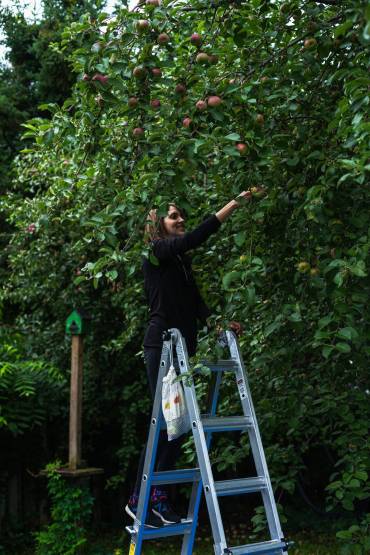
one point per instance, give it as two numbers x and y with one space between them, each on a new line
343 347
233 137
343 28
327 350
325 321
240 238
153 259
347 333
229 278
112 275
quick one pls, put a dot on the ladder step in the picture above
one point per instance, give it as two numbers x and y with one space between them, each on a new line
176 476
226 423
272 547
165 531
224 365
240 486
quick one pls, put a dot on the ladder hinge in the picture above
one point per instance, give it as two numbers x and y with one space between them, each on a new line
166 335
287 544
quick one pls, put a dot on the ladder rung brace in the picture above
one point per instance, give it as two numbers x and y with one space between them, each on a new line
272 547
240 486
165 531
180 476
226 424
221 365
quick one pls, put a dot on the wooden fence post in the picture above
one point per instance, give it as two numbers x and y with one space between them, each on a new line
75 327
75 410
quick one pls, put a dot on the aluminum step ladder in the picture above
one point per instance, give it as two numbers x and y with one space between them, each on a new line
203 426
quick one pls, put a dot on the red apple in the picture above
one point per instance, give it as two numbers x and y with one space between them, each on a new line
213 59
201 105
308 43
241 147
103 79
156 72
202 58
214 101
85 77
163 38
155 103
180 89
138 132
133 102
139 72
196 39
186 122
142 25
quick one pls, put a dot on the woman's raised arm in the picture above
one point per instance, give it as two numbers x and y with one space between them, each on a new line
168 247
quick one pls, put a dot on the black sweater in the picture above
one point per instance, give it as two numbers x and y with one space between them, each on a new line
173 296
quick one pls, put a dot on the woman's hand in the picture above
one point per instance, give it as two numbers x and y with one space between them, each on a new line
236 327
244 195
250 193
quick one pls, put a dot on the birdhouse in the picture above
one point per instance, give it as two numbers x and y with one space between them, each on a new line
75 323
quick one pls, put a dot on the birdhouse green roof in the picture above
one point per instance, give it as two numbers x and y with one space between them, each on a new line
75 323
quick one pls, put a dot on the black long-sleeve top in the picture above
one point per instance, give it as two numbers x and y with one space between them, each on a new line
173 296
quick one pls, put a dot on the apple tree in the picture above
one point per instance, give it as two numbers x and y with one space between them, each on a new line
193 103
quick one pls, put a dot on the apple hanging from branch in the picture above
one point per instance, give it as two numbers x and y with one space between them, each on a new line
139 72
138 132
242 148
142 25
214 101
156 72
196 39
201 105
163 38
133 101
180 89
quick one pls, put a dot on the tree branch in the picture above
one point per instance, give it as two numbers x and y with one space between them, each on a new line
328 2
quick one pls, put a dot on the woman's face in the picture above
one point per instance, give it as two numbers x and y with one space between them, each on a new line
174 223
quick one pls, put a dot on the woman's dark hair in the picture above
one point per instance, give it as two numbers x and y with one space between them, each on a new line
154 226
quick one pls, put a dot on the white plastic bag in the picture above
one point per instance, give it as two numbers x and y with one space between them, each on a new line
173 406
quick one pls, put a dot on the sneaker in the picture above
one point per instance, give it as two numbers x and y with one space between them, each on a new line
162 509
152 520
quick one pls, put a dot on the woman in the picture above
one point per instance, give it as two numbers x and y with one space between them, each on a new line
175 302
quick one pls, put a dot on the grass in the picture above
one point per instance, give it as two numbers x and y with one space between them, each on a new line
305 543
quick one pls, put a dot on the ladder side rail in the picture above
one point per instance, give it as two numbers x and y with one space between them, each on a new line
150 454
201 448
255 440
196 493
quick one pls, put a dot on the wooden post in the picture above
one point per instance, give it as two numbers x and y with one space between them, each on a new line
75 412
75 326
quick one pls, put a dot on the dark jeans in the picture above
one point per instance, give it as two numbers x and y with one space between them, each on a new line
167 451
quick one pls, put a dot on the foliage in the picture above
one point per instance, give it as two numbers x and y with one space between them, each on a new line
70 512
356 539
30 389
291 265
33 73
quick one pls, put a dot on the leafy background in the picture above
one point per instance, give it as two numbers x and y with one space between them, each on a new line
292 265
